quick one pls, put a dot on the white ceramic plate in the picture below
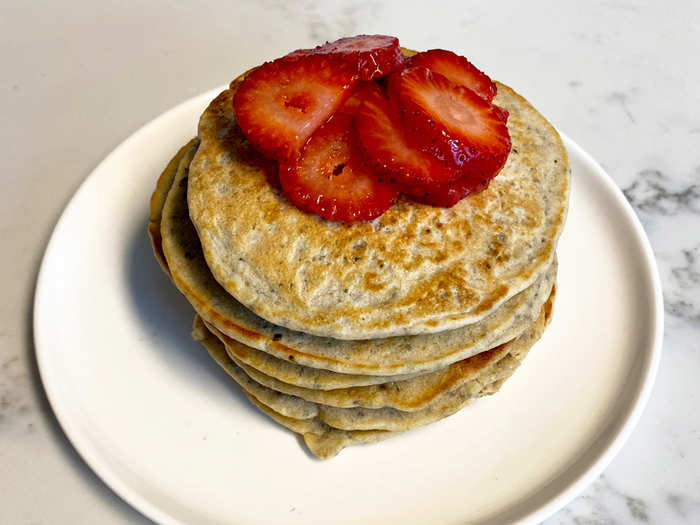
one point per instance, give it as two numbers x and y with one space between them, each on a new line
166 429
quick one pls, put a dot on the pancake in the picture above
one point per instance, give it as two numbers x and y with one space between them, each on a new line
284 370
351 333
160 194
333 429
296 374
376 357
404 394
285 405
416 269
323 441
288 406
385 415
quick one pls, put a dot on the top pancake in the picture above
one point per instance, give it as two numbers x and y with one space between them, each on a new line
179 245
415 269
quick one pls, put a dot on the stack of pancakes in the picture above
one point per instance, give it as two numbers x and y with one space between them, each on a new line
350 333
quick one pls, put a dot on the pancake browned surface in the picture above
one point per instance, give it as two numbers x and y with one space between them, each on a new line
374 357
415 269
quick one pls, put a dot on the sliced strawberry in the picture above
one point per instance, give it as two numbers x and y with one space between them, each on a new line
353 102
332 179
382 136
457 69
279 105
450 194
451 122
373 55
501 113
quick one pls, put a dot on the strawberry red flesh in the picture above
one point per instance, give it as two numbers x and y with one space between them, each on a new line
451 122
457 69
373 55
332 179
382 136
501 113
352 104
450 194
279 105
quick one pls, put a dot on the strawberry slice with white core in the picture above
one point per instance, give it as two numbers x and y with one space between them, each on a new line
451 122
373 55
381 134
279 105
457 69
332 179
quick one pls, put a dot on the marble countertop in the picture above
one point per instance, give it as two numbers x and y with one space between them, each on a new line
619 77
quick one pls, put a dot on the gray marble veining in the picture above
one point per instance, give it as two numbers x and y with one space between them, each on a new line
682 298
661 202
16 409
653 192
620 98
604 503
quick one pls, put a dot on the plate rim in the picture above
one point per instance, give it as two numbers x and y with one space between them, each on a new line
605 457
133 498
